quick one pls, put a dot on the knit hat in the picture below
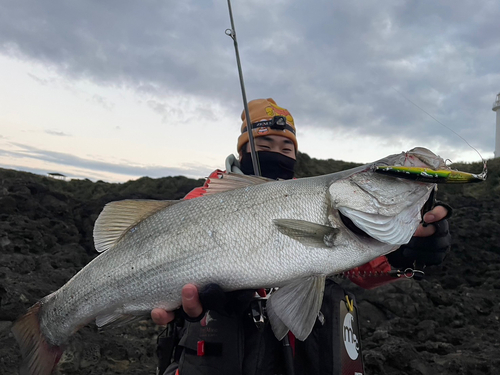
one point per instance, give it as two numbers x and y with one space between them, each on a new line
267 119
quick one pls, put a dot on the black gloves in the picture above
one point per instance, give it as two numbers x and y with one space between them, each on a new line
212 297
424 251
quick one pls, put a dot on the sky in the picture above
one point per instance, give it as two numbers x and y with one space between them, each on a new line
118 89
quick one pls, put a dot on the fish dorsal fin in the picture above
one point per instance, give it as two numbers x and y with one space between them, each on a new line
232 181
117 217
295 307
307 233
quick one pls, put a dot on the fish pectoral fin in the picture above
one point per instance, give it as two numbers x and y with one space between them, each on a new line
114 319
232 181
279 328
118 217
307 233
295 307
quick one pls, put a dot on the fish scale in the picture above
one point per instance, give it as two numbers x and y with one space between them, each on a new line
139 248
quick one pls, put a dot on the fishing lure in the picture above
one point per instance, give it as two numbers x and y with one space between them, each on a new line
439 176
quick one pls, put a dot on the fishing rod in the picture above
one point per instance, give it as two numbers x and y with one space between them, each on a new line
288 351
232 34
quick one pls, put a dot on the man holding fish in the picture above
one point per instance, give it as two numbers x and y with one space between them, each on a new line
230 333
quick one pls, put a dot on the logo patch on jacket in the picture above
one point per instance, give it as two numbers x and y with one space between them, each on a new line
205 321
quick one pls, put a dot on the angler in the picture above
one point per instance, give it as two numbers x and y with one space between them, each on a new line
244 343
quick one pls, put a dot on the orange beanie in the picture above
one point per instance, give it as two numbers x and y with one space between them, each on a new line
262 113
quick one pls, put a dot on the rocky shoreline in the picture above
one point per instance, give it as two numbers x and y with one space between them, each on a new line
447 323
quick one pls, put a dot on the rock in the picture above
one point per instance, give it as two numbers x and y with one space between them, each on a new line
426 329
380 335
5 327
91 355
119 366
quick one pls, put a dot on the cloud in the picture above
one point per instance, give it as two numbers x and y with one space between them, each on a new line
333 64
102 101
57 133
100 168
41 81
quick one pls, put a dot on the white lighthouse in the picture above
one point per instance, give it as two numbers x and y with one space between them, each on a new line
496 108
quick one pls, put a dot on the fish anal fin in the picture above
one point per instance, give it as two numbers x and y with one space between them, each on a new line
307 233
296 306
232 181
117 217
279 328
39 356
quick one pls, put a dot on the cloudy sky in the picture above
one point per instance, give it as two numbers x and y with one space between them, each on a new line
119 89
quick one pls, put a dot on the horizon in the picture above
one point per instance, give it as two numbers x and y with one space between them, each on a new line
69 178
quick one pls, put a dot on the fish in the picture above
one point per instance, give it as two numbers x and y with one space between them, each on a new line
246 232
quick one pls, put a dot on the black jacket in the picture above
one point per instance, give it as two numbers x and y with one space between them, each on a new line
234 345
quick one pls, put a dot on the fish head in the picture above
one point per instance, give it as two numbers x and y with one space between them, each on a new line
375 207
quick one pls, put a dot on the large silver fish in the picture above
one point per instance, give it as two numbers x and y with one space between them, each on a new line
287 234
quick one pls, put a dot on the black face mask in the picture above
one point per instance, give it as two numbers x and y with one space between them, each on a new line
272 165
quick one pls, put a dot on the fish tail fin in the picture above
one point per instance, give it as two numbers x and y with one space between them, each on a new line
39 356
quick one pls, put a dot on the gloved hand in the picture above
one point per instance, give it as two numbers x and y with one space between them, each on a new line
210 297
425 251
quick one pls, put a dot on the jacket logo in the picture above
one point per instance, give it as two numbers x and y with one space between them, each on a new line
351 342
205 321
